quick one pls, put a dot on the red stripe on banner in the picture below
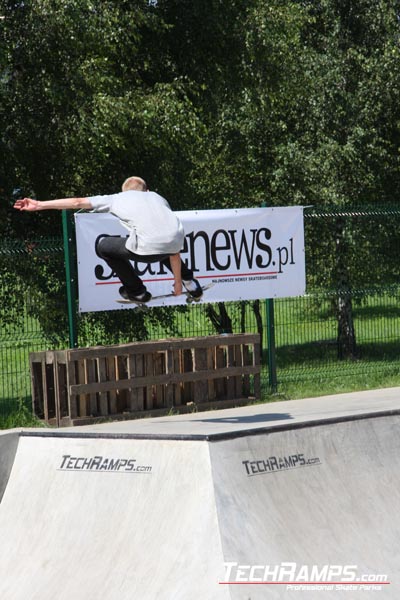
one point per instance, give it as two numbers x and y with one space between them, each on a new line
304 583
197 277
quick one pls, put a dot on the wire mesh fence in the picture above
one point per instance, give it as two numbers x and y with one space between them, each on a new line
346 325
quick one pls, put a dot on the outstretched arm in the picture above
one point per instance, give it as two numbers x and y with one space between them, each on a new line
175 261
65 203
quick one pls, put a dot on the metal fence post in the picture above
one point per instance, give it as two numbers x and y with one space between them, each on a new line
70 274
271 348
270 310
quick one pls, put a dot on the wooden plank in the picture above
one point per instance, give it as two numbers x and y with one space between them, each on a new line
48 389
169 387
238 361
60 389
121 362
161 374
257 377
36 371
200 390
83 400
102 375
146 347
121 350
148 380
187 367
159 360
36 357
57 407
220 363
214 340
91 377
247 360
211 393
45 392
72 398
135 368
140 372
230 382
131 392
177 389
63 391
161 345
111 376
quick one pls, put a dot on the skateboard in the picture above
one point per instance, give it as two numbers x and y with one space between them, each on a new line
189 298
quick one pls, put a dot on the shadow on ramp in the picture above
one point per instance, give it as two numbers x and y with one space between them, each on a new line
250 419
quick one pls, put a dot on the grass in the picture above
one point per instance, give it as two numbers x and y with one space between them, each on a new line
21 416
323 386
15 381
306 356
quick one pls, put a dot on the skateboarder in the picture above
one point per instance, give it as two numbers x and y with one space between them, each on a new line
155 234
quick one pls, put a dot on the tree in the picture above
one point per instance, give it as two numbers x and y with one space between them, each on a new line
293 102
318 124
351 138
80 111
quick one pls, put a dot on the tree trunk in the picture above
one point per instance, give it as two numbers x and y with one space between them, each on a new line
219 318
346 336
259 321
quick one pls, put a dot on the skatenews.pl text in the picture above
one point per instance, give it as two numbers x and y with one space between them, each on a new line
224 250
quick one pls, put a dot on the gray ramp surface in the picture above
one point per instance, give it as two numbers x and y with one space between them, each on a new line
285 500
8 448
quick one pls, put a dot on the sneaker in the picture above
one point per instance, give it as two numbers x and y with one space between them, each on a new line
140 298
193 287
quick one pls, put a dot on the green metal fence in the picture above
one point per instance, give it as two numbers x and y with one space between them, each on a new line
346 325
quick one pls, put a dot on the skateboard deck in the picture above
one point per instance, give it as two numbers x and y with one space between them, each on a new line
189 298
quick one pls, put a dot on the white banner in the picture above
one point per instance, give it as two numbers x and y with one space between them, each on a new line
236 254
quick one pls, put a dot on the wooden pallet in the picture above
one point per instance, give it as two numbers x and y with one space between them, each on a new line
85 385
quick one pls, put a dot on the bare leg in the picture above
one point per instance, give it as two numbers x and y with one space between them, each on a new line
175 260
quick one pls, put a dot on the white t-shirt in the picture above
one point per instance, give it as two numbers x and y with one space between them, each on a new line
153 227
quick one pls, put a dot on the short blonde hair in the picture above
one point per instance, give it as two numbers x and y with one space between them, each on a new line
134 183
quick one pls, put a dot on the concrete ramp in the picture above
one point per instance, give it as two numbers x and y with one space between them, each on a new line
8 449
316 507
109 519
244 504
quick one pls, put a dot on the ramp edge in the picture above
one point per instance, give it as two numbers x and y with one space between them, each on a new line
213 437
8 449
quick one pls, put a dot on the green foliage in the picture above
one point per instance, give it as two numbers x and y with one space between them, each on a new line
79 109
284 102
20 417
32 281
216 104
116 326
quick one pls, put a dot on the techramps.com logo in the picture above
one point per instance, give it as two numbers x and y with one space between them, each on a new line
297 577
274 464
102 464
